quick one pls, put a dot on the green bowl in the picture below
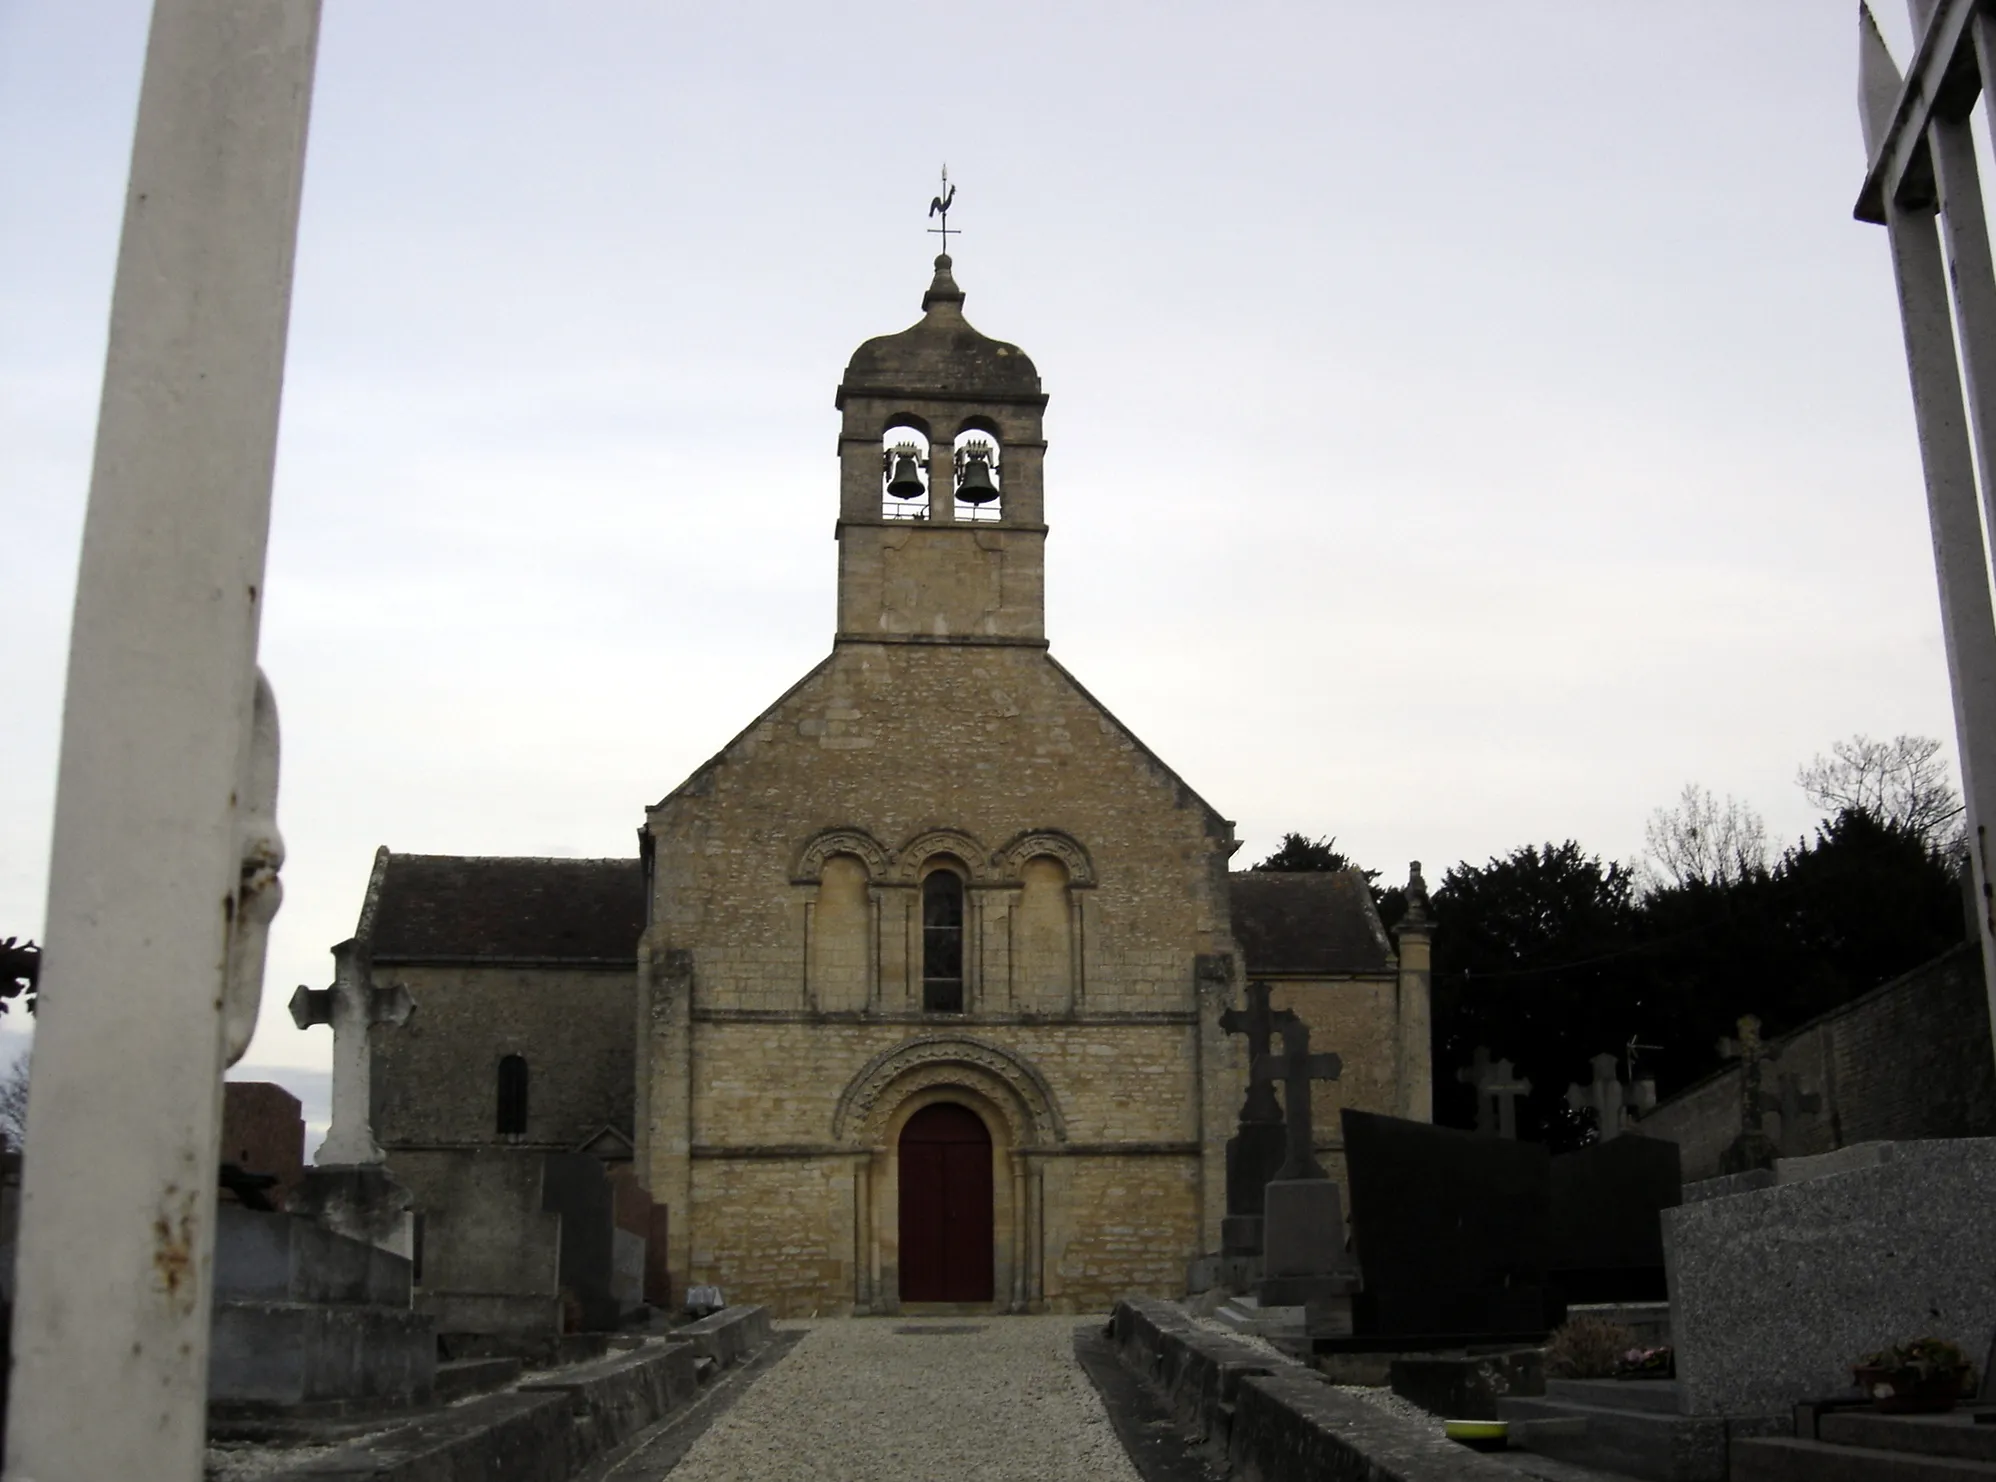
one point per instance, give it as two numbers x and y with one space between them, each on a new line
1479 1435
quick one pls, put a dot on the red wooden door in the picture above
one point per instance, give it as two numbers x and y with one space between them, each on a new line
945 1206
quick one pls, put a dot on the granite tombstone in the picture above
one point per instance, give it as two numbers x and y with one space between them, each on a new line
1451 1232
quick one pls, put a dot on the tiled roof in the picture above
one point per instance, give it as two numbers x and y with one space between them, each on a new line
446 907
1318 922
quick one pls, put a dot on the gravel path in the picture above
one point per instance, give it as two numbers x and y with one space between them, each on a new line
913 1401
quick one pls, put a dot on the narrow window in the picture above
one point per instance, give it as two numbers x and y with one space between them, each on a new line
942 943
513 1096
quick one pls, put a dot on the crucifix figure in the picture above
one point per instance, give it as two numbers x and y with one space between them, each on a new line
1497 1088
1752 1148
1606 1098
1260 1024
1296 1067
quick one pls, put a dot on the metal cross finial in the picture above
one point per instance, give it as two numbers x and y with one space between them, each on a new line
940 207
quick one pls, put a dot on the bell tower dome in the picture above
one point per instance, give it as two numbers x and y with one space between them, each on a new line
942 535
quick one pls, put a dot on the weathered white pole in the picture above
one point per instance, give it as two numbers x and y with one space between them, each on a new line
110 1337
1961 562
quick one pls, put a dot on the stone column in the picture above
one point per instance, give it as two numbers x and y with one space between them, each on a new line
1415 1072
110 1336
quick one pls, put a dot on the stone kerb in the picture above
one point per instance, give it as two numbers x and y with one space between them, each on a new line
727 1336
1292 1426
1275 1421
1775 1291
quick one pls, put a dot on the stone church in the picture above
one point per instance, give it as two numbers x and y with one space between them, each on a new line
911 994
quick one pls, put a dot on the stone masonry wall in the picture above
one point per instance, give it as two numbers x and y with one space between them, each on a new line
1910 1059
435 1080
914 753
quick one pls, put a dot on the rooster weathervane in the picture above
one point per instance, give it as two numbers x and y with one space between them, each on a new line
940 207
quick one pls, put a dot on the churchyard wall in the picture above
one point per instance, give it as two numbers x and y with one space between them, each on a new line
1910 1059
435 1081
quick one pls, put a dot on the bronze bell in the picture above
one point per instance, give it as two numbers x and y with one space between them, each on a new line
906 481
973 484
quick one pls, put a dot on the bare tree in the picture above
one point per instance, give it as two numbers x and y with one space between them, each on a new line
1903 781
1704 840
14 1104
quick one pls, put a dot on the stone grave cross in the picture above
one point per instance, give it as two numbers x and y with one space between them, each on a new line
1296 1067
1497 1087
1260 1024
1752 1054
1612 1103
1752 1148
352 1007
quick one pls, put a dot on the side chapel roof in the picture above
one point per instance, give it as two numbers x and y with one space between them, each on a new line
1307 923
457 908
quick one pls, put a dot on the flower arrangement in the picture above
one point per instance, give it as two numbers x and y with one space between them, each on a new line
1647 1363
1587 1348
1925 1374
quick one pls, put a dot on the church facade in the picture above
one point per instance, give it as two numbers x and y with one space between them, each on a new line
912 995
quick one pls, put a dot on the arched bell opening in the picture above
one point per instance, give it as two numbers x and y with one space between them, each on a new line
979 480
905 475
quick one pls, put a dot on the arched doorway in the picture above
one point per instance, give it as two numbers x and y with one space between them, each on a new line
945 1206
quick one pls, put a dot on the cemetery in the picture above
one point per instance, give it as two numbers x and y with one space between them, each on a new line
868 1117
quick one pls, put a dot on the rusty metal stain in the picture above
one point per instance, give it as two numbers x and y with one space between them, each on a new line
173 1250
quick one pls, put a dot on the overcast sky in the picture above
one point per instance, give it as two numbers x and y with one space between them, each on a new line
1469 422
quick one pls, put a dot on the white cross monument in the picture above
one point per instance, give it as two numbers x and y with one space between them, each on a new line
1921 170
162 871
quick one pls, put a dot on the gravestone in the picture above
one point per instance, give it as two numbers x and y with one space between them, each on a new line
1753 1148
1607 1219
573 1186
1303 1256
1256 1150
1497 1088
1613 1104
1794 1104
1451 1230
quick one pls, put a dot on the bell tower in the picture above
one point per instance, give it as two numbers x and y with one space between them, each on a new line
942 536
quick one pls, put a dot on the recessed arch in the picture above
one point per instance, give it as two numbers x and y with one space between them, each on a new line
978 422
858 842
960 846
1008 862
1008 1084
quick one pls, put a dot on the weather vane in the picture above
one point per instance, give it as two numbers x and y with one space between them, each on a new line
940 207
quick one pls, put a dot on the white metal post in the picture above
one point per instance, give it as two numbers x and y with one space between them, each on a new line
110 1337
